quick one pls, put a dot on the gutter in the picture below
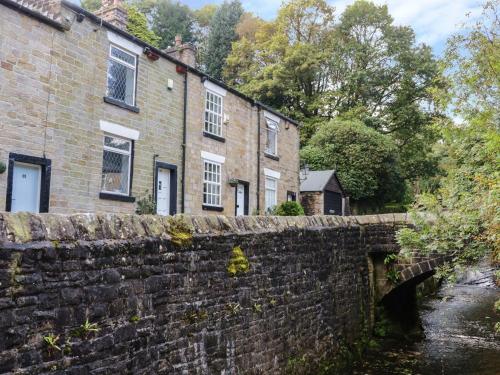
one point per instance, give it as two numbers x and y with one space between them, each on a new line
161 53
34 14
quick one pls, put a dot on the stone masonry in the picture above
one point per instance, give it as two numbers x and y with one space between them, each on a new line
239 148
52 83
173 295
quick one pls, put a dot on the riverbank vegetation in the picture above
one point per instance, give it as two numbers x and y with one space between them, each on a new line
464 205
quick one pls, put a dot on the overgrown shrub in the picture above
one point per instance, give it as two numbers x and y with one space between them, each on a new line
146 205
289 209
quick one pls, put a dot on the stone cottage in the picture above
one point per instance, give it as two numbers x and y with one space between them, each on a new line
94 119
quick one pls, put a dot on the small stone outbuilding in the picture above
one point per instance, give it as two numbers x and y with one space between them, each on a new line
322 194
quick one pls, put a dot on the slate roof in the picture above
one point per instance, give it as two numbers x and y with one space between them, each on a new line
315 180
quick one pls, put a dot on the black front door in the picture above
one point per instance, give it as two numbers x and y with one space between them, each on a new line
333 203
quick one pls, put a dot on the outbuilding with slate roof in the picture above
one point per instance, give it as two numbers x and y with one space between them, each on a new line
322 194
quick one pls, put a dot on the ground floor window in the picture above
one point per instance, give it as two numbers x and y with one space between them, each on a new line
211 183
116 165
271 193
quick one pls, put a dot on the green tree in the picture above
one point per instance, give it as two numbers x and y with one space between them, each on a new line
203 18
287 65
365 160
465 208
137 25
91 5
362 66
221 35
170 18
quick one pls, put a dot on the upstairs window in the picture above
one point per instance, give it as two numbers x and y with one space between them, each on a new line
271 137
116 165
211 183
122 68
213 114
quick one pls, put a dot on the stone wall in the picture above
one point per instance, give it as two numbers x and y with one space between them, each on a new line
177 296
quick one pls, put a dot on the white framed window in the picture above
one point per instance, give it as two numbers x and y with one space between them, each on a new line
271 193
213 113
122 66
271 137
116 165
211 183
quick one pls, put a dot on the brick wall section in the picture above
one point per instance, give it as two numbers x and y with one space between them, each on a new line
165 309
35 60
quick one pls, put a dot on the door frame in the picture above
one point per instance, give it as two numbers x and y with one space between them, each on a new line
246 185
46 168
173 185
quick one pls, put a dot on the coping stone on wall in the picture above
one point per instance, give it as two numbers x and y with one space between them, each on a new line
25 227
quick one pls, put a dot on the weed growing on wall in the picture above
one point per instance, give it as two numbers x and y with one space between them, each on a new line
238 263
180 231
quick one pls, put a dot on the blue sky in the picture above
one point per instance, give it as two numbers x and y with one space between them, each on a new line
433 20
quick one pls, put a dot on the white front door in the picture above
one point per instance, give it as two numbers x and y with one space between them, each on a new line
240 200
26 188
163 192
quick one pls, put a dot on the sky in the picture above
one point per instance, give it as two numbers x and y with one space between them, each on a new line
433 20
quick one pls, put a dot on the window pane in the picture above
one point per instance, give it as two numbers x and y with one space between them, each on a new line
121 82
122 55
271 141
213 114
211 184
272 124
118 143
115 168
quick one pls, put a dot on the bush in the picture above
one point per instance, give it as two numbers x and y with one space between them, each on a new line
289 209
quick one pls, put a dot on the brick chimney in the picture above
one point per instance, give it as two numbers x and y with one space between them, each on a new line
185 52
114 12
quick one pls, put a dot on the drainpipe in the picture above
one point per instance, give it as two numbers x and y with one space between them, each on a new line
154 179
184 136
258 159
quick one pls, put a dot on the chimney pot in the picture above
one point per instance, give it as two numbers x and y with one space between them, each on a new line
178 40
185 52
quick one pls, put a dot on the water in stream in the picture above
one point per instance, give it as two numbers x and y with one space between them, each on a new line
457 334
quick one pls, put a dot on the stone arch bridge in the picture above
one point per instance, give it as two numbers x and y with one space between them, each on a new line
404 272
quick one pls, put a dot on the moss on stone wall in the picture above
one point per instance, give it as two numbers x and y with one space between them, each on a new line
238 263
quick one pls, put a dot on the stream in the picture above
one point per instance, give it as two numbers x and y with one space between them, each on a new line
456 326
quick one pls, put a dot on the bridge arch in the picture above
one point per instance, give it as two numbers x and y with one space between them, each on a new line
409 273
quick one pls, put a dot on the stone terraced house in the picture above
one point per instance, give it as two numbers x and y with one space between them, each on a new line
93 119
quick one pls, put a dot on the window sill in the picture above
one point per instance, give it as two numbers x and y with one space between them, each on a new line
117 197
213 136
120 104
271 156
212 208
